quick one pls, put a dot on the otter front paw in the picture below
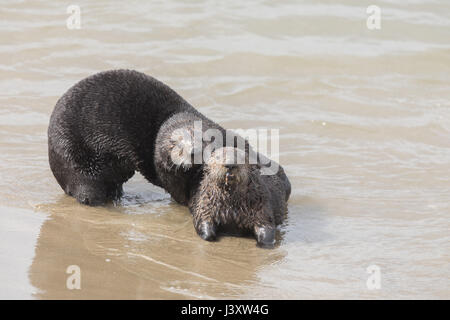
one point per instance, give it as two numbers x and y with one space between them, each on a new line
265 236
207 231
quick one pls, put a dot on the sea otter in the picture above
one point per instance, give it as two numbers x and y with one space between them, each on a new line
113 123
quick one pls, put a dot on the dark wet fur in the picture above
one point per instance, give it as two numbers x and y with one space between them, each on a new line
114 123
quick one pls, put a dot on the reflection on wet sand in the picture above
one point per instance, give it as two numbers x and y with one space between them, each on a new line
124 253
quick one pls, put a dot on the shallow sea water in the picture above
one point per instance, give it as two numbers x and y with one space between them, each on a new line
364 120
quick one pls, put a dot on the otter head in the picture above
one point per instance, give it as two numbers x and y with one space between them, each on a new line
233 198
227 168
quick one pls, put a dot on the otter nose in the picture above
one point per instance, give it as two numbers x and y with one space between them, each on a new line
229 177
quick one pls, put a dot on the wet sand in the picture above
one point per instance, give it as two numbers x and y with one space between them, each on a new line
364 120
